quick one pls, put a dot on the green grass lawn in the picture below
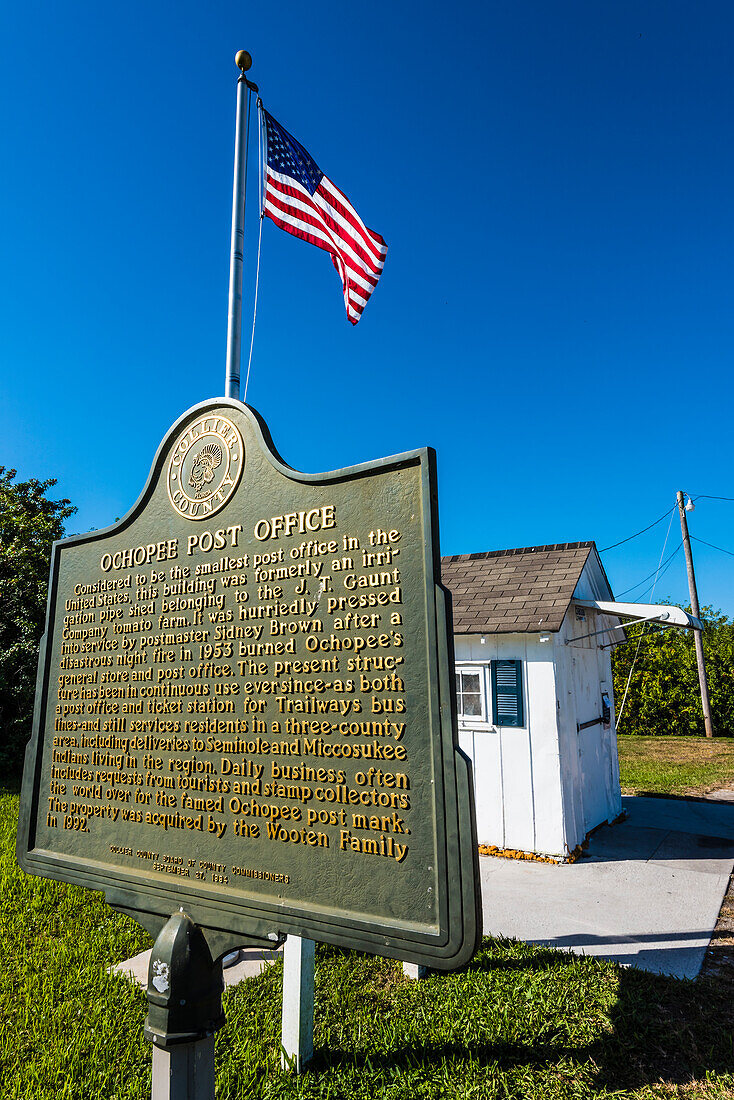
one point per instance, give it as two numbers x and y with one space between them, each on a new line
518 1022
675 765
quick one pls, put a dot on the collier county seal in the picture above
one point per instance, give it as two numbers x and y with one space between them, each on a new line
205 467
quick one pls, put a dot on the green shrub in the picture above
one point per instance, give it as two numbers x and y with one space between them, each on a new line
664 696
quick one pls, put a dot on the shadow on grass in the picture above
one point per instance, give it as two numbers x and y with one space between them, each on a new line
663 1029
660 1029
413 1057
486 963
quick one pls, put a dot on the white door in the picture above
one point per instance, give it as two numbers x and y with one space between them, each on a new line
593 752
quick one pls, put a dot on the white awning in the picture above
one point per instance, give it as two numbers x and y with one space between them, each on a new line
665 614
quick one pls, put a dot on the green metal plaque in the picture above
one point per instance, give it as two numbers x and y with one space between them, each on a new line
245 704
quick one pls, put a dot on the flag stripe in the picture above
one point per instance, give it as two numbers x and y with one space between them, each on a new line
343 225
296 228
308 229
333 202
316 236
347 222
292 227
298 198
339 202
304 211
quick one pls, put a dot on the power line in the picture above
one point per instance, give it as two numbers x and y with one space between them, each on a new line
666 567
723 551
655 572
706 496
642 532
639 641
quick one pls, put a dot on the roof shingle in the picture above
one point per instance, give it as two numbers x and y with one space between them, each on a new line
509 591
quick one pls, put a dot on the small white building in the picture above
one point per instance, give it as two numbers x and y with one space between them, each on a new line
533 636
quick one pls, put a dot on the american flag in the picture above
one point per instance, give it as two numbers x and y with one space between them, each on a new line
303 201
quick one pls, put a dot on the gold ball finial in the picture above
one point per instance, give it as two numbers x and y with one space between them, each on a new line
242 60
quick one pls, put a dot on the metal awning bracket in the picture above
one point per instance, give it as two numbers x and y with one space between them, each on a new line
619 626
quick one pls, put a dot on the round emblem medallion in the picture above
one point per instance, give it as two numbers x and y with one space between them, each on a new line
205 467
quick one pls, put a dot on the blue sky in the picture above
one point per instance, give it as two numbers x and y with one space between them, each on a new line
554 182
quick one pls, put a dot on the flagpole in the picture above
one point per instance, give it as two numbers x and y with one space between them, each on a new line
237 248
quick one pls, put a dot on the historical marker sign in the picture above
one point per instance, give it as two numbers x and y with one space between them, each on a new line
244 704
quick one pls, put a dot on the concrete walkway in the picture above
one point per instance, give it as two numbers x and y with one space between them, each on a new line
647 893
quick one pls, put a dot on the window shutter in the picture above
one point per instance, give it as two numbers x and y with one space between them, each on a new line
507 708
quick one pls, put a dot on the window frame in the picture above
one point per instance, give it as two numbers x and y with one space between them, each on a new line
474 721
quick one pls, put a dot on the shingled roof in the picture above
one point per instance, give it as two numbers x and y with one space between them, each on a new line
514 591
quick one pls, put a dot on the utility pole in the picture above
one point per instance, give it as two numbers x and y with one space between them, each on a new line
697 634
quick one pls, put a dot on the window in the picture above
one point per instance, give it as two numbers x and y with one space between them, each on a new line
471 694
507 707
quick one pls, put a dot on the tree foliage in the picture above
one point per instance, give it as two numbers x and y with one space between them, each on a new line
29 524
664 696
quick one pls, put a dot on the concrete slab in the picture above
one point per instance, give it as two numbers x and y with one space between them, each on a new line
685 815
617 843
647 894
724 794
708 855
252 962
